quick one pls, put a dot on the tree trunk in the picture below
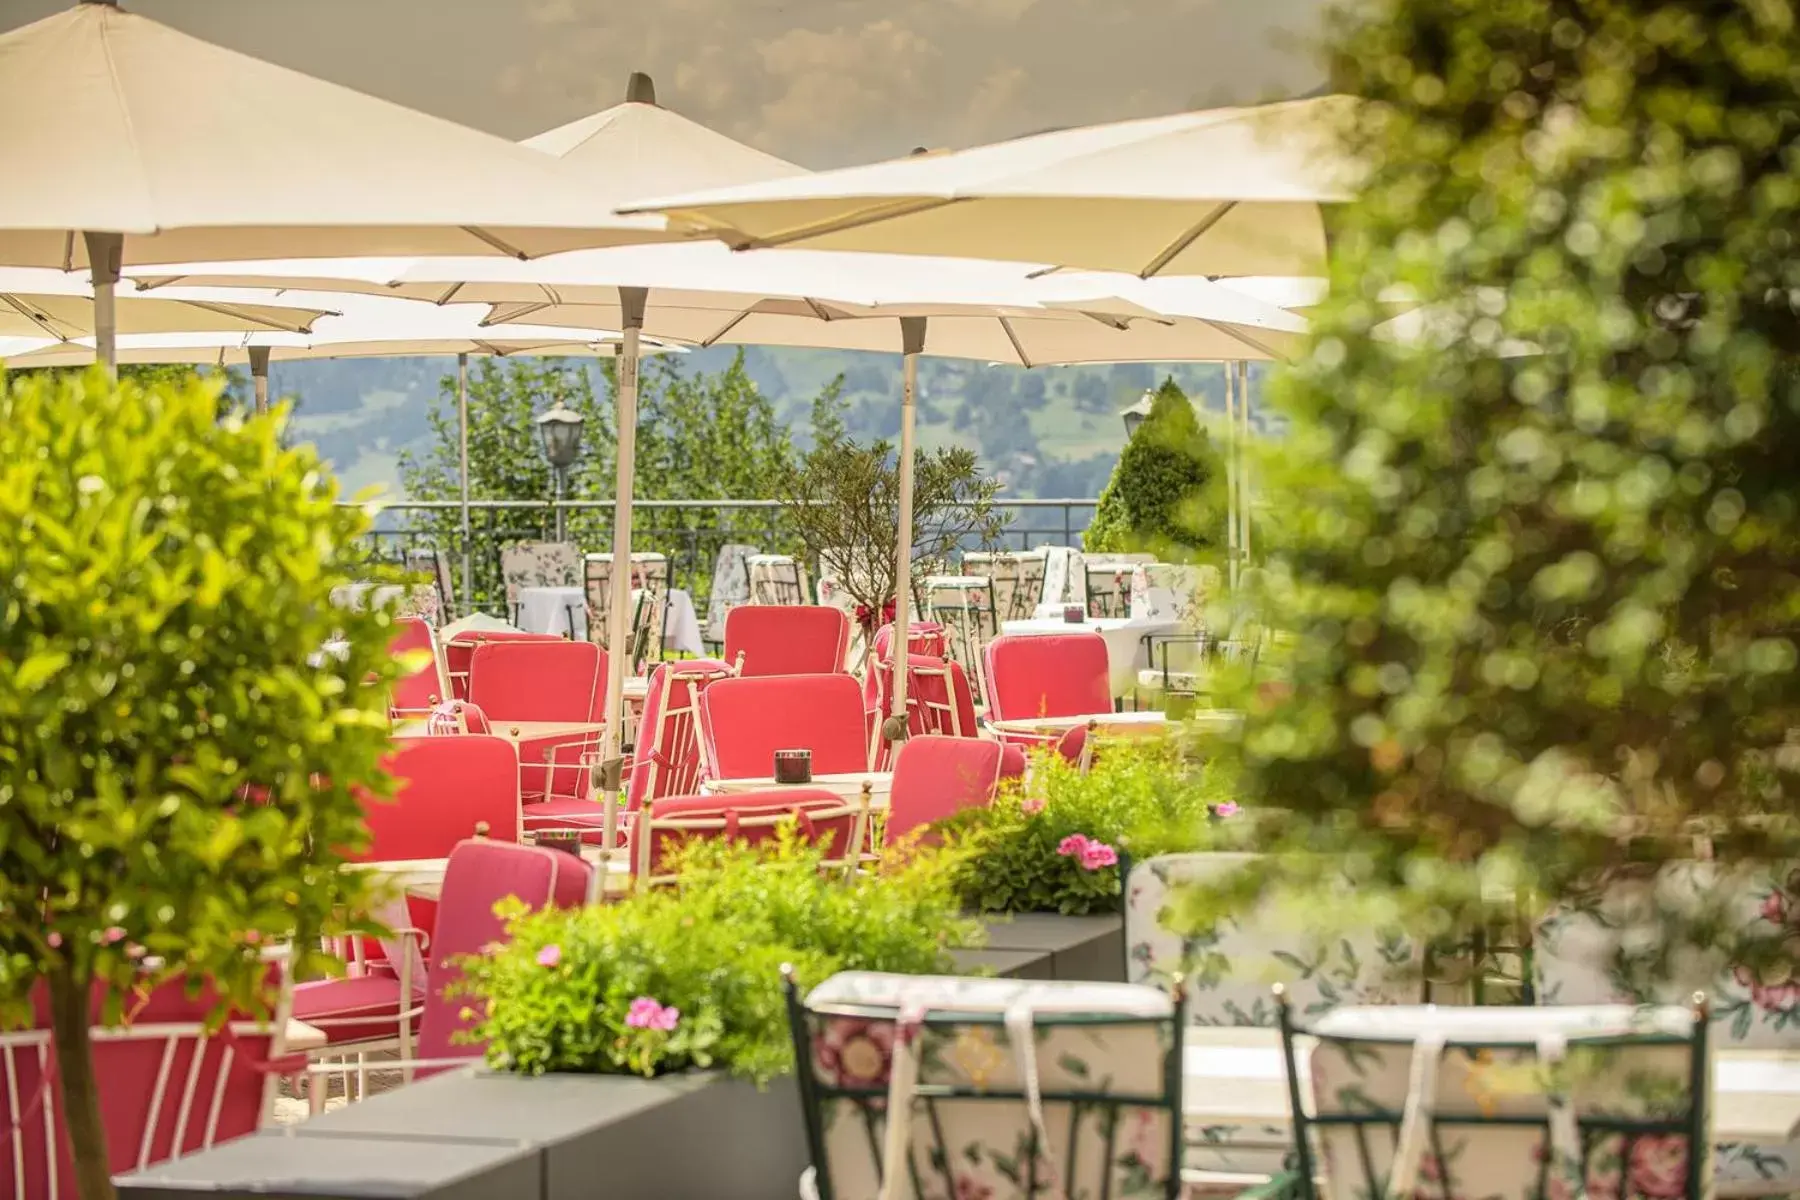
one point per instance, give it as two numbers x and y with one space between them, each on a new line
80 1091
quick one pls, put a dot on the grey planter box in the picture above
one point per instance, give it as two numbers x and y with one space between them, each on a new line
1079 948
473 1135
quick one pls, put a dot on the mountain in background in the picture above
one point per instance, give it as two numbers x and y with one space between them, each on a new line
1050 432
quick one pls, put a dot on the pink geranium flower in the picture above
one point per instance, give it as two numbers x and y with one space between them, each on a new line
1097 855
1228 808
550 955
1073 846
113 935
647 1013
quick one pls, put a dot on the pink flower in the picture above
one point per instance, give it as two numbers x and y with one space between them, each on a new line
113 935
646 1013
134 950
1032 805
1097 855
1228 808
1073 846
1658 1167
550 955
55 940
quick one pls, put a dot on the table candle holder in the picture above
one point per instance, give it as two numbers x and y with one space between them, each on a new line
793 766
1074 614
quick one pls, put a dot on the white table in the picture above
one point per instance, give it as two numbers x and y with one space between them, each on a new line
558 610
1122 724
1238 1077
848 785
424 877
563 611
1124 636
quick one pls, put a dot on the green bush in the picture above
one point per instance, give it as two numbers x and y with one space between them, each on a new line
178 786
560 996
1167 495
1140 799
1543 601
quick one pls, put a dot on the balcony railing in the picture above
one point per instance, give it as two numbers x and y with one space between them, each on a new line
690 532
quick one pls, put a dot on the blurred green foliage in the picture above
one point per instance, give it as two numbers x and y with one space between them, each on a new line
712 947
178 783
1545 600
1167 495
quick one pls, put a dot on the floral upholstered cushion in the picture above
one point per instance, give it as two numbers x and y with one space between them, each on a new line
730 587
1099 1055
776 579
1229 970
539 564
1568 1068
1607 947
1166 592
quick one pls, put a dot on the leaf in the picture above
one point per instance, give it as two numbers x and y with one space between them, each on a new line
39 668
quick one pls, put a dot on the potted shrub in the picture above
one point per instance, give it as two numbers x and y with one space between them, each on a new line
180 769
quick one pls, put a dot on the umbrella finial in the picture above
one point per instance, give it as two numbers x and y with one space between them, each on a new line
640 89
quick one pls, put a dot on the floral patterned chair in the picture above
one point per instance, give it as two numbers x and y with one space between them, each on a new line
648 570
1017 580
997 1089
1501 1103
1065 580
1109 583
1607 948
537 564
1227 971
776 579
730 587
964 606
434 565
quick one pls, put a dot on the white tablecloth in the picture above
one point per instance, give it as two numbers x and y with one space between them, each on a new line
1124 636
552 609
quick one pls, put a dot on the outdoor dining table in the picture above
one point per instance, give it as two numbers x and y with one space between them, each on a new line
563 611
1112 724
1237 1076
424 877
1126 650
848 784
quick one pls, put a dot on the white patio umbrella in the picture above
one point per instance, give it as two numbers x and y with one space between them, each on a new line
127 141
61 316
1233 191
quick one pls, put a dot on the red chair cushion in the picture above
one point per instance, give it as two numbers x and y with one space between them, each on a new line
364 1009
743 722
445 788
831 833
935 777
787 639
1055 675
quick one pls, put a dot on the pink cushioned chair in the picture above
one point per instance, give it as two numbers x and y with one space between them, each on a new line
743 722
167 1087
666 761
417 694
461 648
479 875
1056 675
553 680
783 639
936 777
823 818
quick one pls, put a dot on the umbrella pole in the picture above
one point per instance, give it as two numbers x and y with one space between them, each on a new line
912 339
1231 481
632 301
259 376
462 476
1243 369
105 252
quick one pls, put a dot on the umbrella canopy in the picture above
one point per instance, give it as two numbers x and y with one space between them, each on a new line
59 307
1231 191
113 123
361 327
643 148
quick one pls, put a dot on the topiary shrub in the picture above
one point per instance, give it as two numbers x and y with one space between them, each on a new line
1167 495
178 782
1546 606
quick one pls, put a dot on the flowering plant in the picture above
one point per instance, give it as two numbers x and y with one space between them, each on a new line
689 977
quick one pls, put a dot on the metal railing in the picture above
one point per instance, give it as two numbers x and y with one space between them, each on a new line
690 532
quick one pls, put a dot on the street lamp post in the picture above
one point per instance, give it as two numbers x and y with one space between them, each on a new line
560 428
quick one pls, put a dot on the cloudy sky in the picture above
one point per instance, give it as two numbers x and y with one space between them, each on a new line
821 82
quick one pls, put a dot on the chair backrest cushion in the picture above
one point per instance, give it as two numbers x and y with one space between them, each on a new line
445 788
743 722
1053 675
420 691
822 817
937 777
551 680
1228 970
479 875
787 639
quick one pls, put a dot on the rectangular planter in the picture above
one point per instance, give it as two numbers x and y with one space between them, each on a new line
556 1137
1080 948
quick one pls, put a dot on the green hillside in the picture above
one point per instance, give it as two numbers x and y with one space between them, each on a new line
1051 431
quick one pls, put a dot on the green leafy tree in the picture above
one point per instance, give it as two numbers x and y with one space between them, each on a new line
178 787
1544 601
1167 495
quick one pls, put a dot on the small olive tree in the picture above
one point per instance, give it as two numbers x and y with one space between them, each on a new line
843 499
179 766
